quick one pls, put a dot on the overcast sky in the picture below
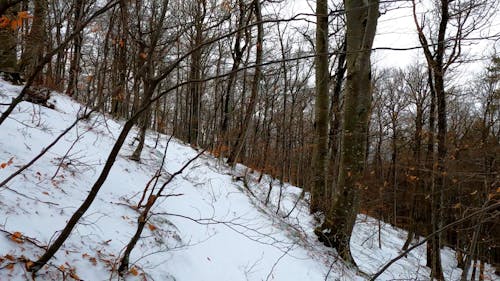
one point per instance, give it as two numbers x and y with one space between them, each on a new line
396 29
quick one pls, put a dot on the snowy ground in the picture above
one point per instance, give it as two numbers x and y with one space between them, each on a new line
213 228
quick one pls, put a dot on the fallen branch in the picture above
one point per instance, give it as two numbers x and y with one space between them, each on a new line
26 166
25 238
143 218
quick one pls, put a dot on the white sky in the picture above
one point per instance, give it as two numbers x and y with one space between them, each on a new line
396 29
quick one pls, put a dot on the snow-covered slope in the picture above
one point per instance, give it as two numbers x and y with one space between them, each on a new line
210 228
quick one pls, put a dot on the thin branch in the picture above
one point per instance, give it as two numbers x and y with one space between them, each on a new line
404 253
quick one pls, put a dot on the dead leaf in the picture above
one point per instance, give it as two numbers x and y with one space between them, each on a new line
412 178
24 15
17 237
4 22
134 271
73 275
151 227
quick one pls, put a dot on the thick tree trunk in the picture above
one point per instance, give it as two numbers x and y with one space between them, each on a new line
361 26
334 134
8 58
35 44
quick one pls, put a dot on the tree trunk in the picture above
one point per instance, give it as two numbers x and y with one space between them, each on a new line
8 58
77 48
361 26
435 62
335 110
195 75
320 144
416 185
35 43
241 139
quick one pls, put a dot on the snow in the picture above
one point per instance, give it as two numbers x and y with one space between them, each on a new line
209 228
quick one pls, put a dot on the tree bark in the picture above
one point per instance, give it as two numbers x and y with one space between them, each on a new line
195 74
35 44
77 47
320 145
241 139
437 67
361 26
8 58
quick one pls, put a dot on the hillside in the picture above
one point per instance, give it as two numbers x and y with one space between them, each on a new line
210 225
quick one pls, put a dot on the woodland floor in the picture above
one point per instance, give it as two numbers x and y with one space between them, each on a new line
212 227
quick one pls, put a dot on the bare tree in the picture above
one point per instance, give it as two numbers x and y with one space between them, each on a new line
442 49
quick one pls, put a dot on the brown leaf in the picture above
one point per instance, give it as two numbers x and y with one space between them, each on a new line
134 271
4 22
73 275
29 264
151 227
412 178
17 237
24 15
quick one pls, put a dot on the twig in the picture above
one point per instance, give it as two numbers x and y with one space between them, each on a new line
277 261
13 175
404 253
31 198
144 216
26 238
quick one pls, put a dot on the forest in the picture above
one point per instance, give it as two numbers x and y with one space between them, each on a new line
294 95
